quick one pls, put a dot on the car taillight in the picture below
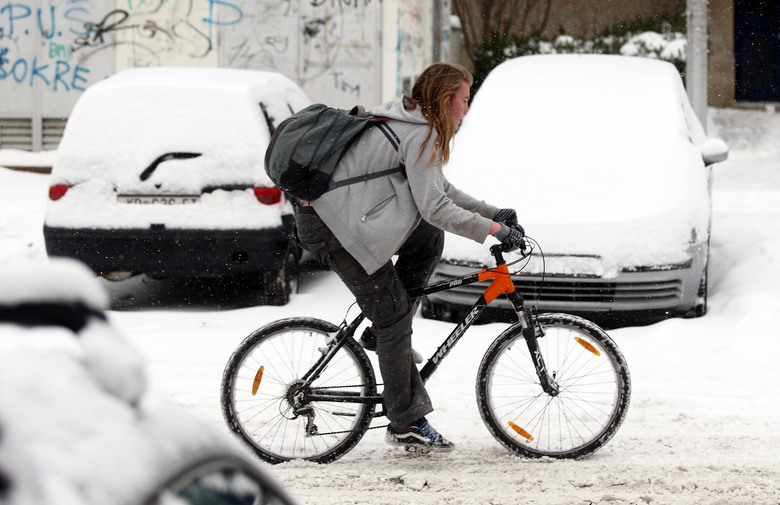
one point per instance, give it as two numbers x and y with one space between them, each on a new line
58 191
268 196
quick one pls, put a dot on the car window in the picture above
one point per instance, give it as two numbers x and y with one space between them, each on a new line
222 483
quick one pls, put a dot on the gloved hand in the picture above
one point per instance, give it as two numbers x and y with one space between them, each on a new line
506 216
511 238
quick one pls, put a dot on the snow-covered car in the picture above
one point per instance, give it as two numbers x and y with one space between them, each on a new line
609 170
77 423
160 171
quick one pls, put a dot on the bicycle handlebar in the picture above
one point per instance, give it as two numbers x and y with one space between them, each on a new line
505 247
498 250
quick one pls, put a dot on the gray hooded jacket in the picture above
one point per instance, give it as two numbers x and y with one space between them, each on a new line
372 219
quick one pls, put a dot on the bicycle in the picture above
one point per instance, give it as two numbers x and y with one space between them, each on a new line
304 388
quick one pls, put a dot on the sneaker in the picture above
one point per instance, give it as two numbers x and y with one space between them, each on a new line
368 342
419 437
368 339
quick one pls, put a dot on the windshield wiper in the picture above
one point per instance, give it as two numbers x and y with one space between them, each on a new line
166 157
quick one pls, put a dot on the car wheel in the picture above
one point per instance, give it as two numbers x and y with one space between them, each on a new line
277 285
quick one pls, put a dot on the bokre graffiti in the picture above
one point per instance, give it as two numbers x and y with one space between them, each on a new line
22 25
72 32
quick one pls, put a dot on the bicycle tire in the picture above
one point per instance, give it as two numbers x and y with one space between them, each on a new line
261 373
594 382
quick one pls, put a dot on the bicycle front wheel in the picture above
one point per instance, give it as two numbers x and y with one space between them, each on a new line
263 400
592 378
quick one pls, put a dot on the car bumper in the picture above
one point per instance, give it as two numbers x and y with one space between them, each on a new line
665 292
174 251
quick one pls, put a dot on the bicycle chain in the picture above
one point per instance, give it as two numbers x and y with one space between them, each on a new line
350 431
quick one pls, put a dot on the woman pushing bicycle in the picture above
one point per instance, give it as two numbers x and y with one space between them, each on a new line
356 229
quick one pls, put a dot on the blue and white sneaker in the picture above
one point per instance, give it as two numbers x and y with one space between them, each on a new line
419 437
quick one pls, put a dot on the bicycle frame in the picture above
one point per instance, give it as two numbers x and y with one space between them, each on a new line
501 284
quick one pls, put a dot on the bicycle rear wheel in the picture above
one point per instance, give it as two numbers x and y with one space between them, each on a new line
263 402
593 380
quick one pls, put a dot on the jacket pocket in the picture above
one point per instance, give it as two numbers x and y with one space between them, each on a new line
376 208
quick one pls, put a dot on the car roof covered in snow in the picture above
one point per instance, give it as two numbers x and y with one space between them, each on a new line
599 154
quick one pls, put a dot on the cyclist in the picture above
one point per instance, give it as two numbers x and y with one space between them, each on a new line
355 230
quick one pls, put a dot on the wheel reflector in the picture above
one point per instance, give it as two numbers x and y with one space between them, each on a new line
520 431
587 345
258 378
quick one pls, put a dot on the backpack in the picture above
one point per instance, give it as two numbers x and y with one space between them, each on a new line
306 147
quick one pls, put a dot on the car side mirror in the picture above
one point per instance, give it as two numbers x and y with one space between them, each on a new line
714 151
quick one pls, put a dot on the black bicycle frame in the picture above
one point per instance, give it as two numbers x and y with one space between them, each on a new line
531 331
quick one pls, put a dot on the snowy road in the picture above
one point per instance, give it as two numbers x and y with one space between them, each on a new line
703 426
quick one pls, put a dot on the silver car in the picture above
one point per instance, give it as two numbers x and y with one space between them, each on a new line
610 172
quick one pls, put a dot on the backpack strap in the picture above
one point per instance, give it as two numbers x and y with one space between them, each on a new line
368 177
381 124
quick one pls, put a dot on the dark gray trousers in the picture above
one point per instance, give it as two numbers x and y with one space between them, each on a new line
383 299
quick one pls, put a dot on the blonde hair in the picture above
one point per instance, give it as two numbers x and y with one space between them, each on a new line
432 92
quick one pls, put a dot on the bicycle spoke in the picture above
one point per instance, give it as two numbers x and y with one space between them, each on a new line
265 399
591 398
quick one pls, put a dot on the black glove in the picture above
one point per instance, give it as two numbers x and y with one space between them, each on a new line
511 238
506 216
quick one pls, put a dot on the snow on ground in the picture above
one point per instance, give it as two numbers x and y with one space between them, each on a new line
704 422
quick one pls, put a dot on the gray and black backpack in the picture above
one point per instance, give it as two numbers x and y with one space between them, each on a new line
306 147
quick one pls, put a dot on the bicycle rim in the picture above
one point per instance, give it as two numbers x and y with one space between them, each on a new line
258 393
594 390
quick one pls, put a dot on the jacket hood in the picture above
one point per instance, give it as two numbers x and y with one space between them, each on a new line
394 109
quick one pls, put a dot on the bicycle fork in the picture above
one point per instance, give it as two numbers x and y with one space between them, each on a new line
532 331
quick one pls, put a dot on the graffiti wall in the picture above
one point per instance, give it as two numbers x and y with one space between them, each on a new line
153 33
341 52
51 50
409 28
40 63
330 47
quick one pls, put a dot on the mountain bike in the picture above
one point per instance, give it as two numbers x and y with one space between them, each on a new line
550 385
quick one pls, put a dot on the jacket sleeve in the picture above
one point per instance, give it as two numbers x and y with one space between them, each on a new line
439 202
468 202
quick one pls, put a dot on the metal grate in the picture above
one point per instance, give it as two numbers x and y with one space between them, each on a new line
596 290
52 130
586 290
20 133
16 133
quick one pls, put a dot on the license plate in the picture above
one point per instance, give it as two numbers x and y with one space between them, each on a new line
158 199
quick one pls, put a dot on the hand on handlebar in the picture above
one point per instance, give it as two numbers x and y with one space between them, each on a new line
511 237
506 216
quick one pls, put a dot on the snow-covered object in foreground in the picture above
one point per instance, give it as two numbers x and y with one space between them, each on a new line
160 170
609 170
77 425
